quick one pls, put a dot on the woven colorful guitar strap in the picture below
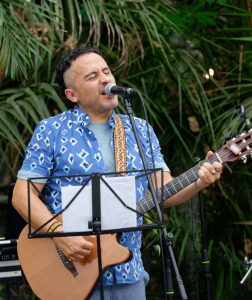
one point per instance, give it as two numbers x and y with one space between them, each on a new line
120 146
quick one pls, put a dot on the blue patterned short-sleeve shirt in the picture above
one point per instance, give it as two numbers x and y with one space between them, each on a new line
64 145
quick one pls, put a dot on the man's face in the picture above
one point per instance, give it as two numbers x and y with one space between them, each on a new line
85 81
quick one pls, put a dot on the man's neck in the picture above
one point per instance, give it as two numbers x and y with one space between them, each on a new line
102 119
98 117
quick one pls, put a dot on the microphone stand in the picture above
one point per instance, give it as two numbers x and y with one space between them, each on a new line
204 254
167 249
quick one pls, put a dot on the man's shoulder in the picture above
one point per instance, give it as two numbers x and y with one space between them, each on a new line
140 123
59 118
126 120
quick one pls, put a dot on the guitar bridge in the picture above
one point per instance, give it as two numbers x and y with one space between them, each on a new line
69 265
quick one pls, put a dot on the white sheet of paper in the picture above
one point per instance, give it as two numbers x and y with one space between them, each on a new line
113 214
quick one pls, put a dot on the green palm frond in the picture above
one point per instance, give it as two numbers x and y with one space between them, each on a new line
22 108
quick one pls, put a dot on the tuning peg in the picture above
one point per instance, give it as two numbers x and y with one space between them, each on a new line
244 159
227 136
248 124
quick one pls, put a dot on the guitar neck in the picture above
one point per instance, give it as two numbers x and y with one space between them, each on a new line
174 186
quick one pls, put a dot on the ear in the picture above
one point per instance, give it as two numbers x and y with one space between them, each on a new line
71 95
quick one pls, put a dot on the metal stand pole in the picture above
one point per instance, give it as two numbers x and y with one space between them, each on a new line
248 267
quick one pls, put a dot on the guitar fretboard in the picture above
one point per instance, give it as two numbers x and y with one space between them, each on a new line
174 186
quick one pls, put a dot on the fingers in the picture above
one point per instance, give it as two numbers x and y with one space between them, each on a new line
209 173
213 172
77 256
218 167
215 168
209 154
75 248
81 250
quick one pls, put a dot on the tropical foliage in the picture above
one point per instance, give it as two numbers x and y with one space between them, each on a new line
191 61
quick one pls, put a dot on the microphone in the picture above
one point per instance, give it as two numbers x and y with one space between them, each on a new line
111 89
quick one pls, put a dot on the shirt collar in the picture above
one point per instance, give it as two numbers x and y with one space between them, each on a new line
83 118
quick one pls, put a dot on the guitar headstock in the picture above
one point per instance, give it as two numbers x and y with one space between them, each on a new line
237 148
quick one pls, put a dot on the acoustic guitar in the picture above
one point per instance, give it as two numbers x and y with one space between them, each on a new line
53 277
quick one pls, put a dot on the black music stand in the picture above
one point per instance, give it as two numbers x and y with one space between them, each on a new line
95 224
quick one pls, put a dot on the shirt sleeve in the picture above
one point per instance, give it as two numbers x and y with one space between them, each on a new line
39 153
25 175
162 165
152 148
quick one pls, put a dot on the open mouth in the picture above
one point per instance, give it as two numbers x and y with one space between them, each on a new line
104 94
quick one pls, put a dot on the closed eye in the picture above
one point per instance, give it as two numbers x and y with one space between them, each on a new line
106 71
91 76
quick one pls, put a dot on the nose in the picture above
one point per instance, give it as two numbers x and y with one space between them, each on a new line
106 78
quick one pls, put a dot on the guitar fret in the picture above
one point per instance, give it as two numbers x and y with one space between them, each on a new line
147 204
180 182
175 185
186 181
167 190
140 207
151 204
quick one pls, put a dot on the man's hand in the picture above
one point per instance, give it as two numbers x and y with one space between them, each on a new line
209 173
74 247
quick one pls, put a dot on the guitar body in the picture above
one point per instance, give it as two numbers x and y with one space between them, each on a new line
49 277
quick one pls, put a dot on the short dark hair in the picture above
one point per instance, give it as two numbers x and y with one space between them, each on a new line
66 61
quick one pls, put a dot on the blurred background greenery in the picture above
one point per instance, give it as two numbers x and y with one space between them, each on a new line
191 61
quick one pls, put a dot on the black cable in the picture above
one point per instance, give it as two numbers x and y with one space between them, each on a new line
195 252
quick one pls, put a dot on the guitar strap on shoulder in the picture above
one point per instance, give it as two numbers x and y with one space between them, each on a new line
120 146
